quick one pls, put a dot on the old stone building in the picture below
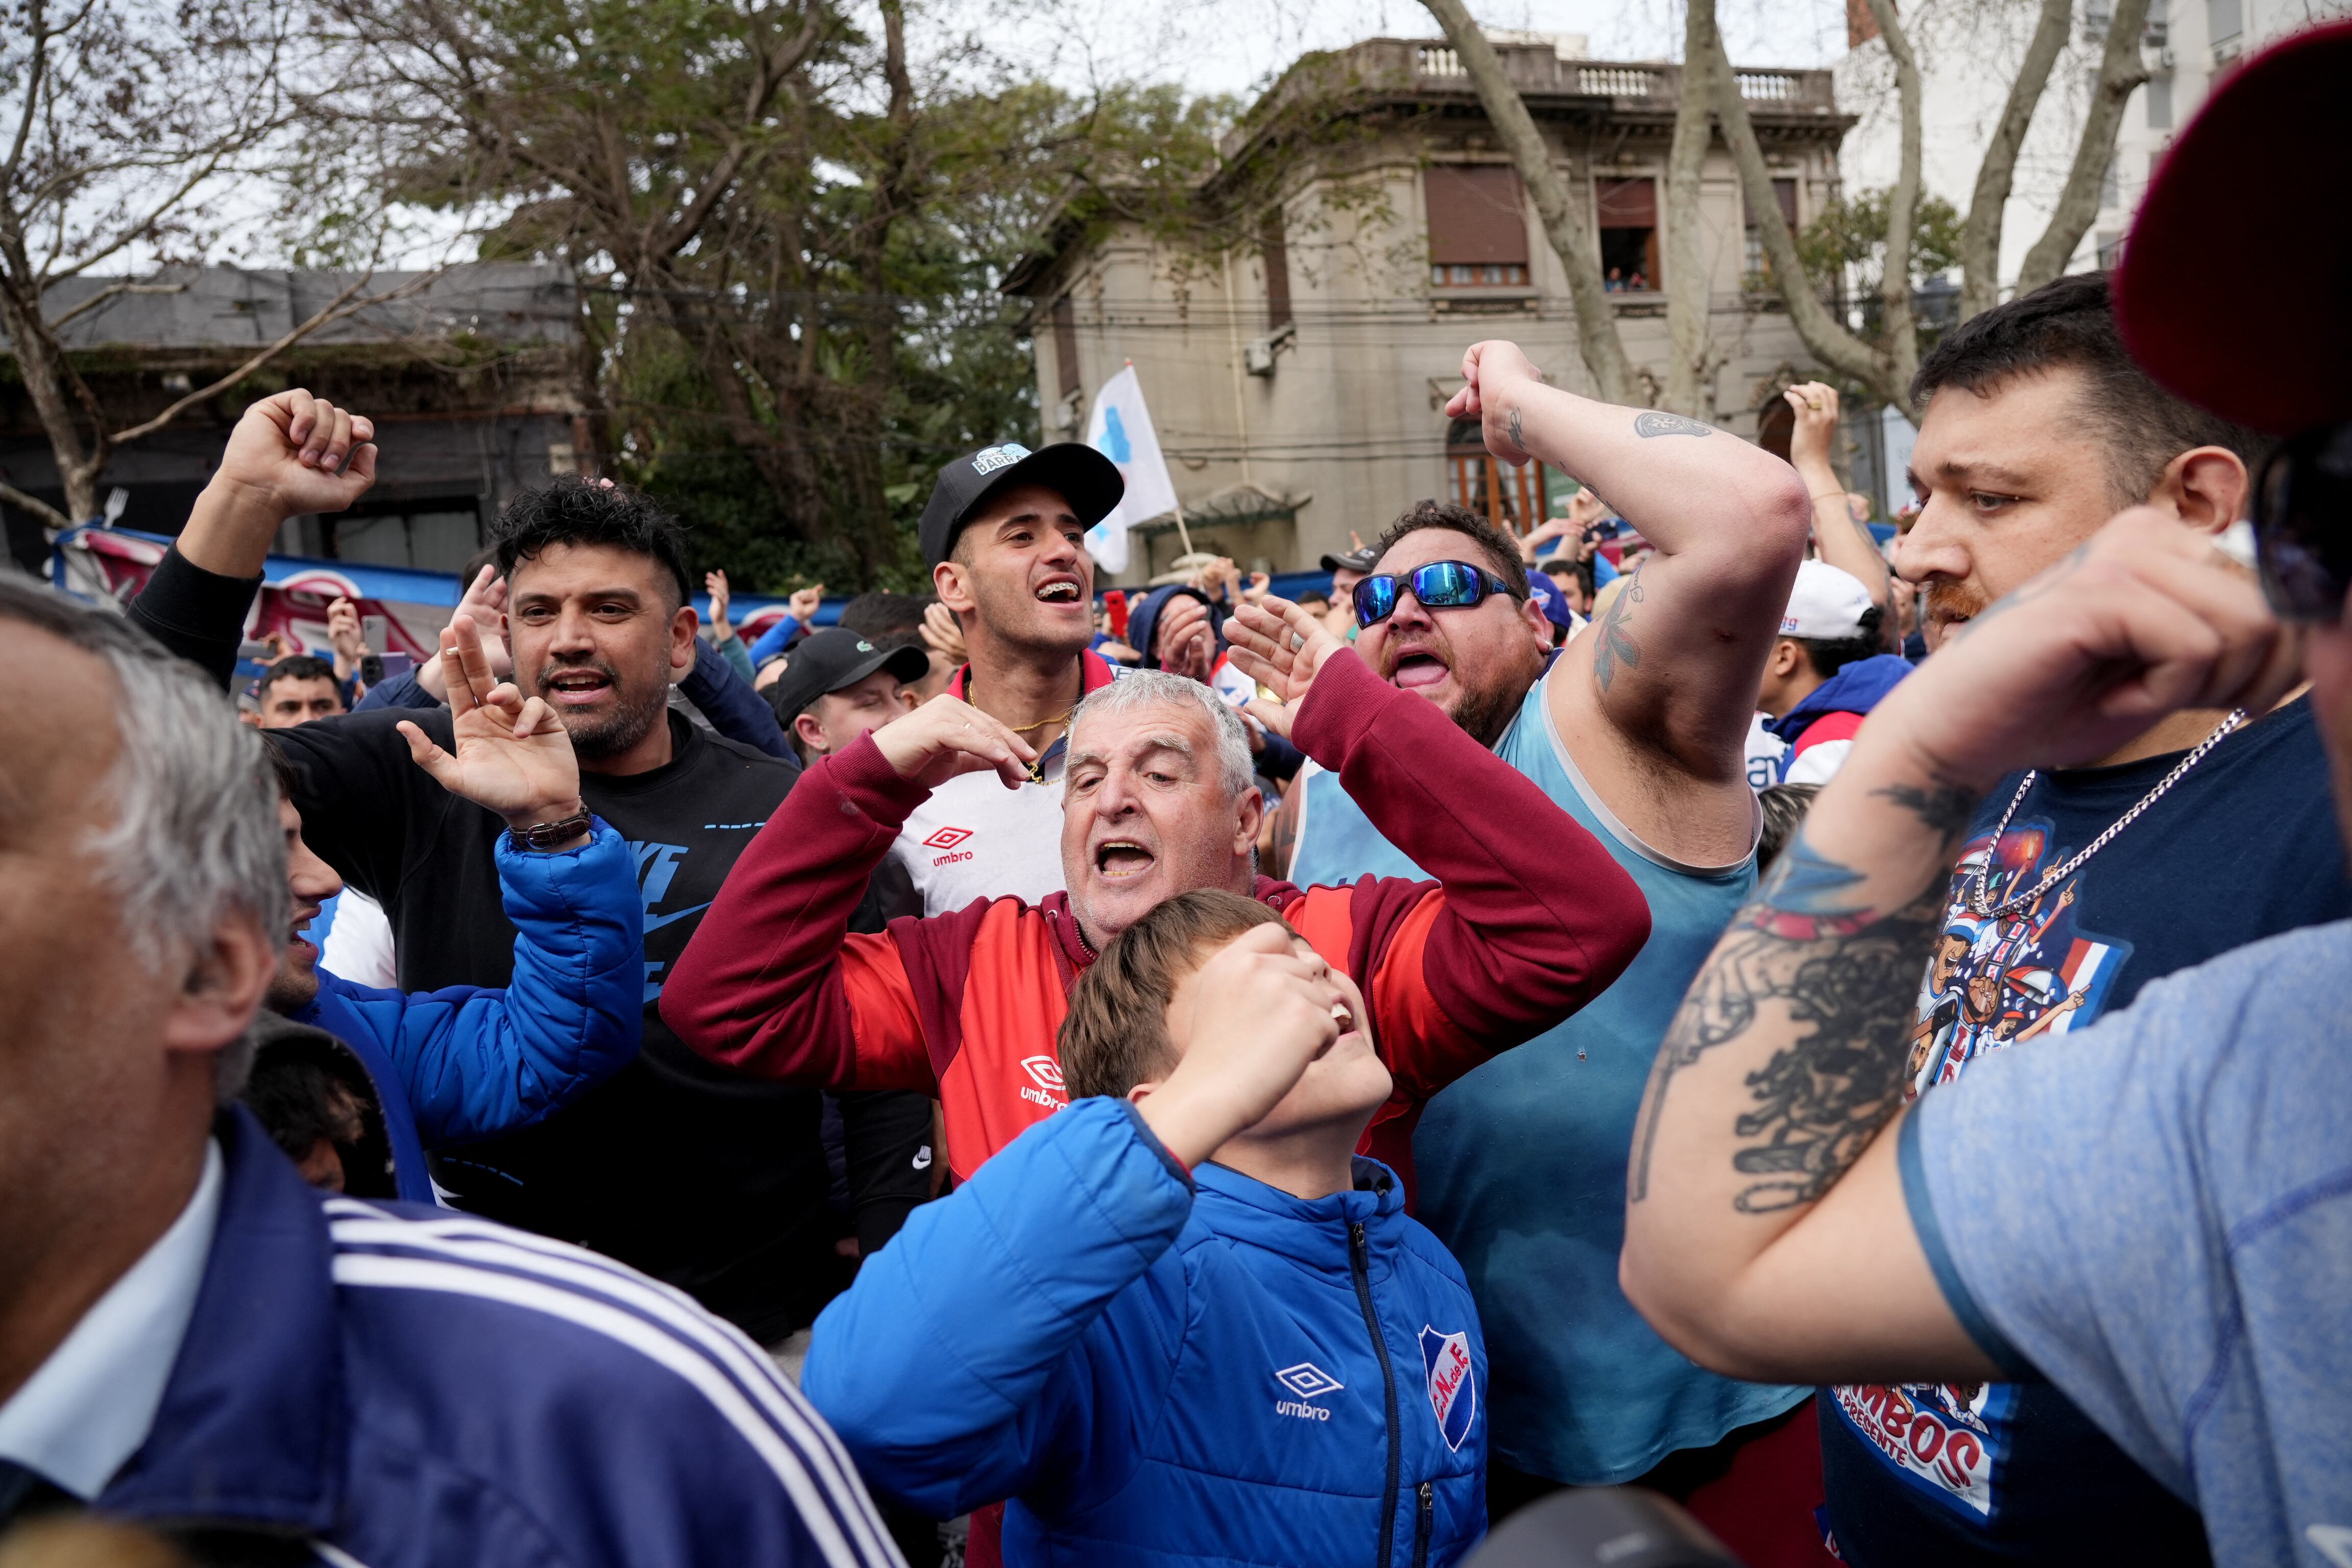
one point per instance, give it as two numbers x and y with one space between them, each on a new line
1297 378
471 378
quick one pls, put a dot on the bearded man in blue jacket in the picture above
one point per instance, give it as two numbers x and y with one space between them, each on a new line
468 1061
1180 1321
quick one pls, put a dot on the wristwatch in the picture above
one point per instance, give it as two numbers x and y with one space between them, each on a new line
550 835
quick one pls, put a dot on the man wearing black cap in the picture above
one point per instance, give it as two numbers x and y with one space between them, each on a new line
2151 1217
1005 535
839 685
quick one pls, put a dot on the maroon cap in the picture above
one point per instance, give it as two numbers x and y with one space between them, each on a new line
2235 288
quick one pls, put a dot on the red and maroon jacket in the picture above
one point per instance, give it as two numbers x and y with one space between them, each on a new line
1528 920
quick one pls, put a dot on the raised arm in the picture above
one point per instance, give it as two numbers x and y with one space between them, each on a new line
1680 655
772 985
1768 1232
288 454
1838 539
1530 917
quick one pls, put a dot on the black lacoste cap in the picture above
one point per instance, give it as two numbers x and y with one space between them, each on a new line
833 658
1082 476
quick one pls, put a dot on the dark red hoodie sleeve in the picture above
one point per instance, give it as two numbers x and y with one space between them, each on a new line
1529 919
773 983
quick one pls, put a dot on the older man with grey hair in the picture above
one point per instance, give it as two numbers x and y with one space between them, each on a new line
1527 918
192 1337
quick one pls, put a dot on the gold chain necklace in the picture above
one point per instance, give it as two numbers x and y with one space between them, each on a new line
1037 768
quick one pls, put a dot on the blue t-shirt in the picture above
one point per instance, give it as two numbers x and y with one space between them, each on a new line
2157 1218
2244 848
1520 1165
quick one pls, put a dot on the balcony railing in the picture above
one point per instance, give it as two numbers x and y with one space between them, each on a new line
1536 68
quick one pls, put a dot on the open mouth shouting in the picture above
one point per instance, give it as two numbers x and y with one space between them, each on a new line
1122 859
575 686
1061 589
1417 664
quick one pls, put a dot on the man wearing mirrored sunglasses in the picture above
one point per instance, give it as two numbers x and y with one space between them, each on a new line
2154 1218
1637 729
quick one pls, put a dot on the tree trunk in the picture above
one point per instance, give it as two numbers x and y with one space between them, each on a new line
1688 280
1564 219
2120 71
40 363
1902 202
1980 238
1821 332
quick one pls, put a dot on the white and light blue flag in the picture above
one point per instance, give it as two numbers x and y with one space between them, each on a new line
1120 429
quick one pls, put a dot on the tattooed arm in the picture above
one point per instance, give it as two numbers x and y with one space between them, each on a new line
1769 1234
1677 662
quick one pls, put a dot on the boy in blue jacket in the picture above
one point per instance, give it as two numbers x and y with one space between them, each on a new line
466 1061
1179 1322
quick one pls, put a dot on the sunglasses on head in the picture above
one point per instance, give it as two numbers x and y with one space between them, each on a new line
2303 524
1439 585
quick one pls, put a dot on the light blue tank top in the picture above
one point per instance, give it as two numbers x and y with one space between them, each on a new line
1522 1164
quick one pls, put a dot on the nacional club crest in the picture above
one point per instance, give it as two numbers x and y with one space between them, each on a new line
1453 1391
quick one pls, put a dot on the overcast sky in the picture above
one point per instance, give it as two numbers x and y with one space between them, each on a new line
1237 46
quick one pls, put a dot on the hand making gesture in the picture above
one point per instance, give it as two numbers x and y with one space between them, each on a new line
1280 647
290 453
946 737
513 755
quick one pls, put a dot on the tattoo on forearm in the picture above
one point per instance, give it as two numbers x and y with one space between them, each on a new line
1613 643
1946 807
1847 976
1519 432
1651 422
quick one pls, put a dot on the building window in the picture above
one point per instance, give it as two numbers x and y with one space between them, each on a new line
1275 250
2110 251
1478 225
436 535
1065 344
2159 103
1628 215
2224 19
1759 264
1509 499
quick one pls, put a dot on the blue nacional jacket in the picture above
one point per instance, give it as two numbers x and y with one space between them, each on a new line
466 1061
408 1388
1165 1371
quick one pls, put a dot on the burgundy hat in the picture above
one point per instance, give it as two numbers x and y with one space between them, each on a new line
2235 288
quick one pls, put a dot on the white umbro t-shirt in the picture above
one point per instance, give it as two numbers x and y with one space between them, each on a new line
973 838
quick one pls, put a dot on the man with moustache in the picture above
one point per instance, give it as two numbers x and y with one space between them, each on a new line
2039 427
690 1174
1637 730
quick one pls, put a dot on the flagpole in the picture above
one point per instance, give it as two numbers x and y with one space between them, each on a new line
1183 534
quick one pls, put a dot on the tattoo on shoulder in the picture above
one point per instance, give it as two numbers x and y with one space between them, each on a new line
1613 643
1848 978
1653 422
1519 431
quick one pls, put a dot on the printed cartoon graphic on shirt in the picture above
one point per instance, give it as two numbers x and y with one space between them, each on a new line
1992 981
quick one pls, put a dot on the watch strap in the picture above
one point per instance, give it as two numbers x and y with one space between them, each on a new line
550 834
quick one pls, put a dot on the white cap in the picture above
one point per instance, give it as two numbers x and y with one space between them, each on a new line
1826 604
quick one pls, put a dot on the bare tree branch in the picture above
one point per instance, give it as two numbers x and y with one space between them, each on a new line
1902 200
1821 332
2121 71
350 302
113 292
1997 174
1564 218
1686 280
50 516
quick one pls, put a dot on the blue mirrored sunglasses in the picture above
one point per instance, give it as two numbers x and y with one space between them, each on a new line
1439 585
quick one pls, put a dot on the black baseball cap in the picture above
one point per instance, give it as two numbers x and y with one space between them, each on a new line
833 658
1080 474
1362 559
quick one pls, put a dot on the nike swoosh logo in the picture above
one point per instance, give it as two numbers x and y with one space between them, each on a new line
655 923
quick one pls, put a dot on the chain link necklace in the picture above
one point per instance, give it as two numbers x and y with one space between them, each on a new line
1974 897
